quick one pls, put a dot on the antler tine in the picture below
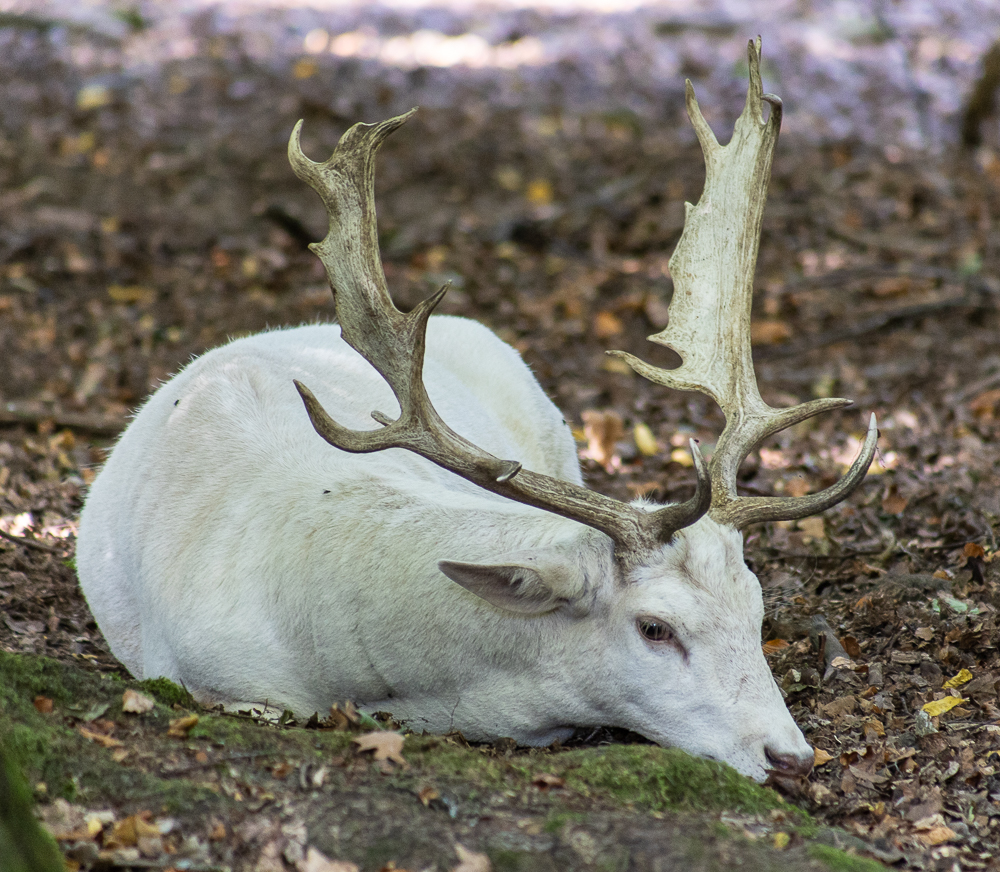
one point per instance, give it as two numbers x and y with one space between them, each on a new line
713 268
393 342
752 510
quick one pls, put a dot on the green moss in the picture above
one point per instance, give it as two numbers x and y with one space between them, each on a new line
170 694
47 748
450 760
506 860
30 677
667 778
557 820
839 861
24 845
249 736
646 776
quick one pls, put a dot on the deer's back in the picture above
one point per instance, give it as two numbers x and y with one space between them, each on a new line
220 497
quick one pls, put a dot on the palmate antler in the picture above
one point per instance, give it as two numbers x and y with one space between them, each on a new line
393 342
713 268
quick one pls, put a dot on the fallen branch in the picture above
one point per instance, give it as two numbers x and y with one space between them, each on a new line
874 324
227 758
12 414
29 543
982 99
845 275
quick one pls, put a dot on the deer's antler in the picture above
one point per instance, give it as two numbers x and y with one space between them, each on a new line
713 268
393 342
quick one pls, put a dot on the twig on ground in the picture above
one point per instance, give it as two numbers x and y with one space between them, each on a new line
881 321
29 543
22 413
191 767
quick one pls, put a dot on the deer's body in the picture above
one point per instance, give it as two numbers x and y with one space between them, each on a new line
226 546
446 563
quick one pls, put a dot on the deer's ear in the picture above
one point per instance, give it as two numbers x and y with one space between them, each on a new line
526 584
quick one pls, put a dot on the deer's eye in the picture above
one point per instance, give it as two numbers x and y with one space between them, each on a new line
655 631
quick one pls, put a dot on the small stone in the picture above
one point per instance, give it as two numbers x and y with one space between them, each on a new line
876 676
922 724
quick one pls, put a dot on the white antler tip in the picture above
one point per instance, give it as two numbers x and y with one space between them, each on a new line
301 165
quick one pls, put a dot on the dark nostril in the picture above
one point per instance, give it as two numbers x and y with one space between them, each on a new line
790 764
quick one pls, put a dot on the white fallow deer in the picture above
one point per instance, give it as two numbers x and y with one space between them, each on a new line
409 567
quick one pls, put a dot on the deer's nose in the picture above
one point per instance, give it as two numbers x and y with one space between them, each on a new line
799 765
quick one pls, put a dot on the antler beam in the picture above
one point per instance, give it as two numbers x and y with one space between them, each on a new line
713 268
393 342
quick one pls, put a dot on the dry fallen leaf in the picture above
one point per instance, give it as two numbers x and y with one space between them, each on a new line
93 97
305 68
471 861
812 527
427 794
844 663
837 708
282 770
180 727
940 706
539 192
683 457
961 678
820 757
602 431
820 794
136 703
974 550
851 646
127 832
893 503
607 324
984 406
43 705
132 294
772 646
100 738
545 780
314 861
936 836
344 717
386 745
874 729
769 331
893 286
645 441
797 486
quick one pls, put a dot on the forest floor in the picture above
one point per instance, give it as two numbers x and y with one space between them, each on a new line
147 221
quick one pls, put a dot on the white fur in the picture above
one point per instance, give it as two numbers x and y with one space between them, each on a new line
226 546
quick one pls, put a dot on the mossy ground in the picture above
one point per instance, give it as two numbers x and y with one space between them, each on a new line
55 756
837 861
615 800
24 845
